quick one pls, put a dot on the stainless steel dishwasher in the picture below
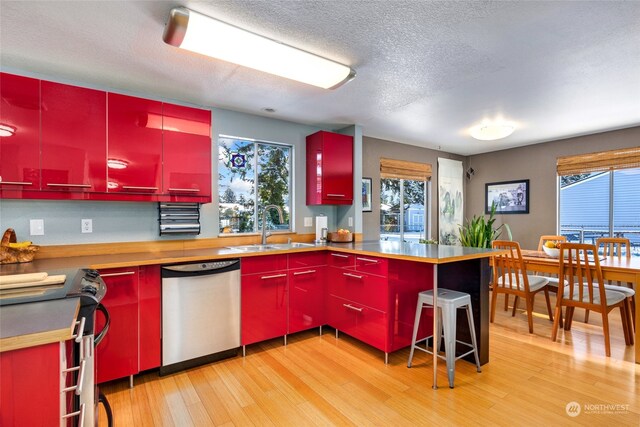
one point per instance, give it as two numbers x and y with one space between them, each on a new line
200 313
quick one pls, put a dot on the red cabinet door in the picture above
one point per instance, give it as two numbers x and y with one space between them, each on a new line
134 154
263 264
186 153
30 386
117 353
329 169
361 322
306 298
361 287
264 306
74 138
20 122
150 313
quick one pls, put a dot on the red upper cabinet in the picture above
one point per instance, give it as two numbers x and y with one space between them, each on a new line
134 154
74 138
329 169
186 153
19 134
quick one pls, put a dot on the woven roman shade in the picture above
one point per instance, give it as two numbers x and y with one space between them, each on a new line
623 158
401 169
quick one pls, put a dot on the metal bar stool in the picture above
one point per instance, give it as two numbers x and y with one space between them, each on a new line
448 304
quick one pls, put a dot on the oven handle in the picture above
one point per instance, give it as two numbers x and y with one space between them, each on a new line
104 330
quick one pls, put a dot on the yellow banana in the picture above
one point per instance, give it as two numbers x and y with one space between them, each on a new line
20 244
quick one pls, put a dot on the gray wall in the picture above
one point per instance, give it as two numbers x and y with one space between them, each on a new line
538 164
372 150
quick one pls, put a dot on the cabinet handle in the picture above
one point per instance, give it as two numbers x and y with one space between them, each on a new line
350 307
53 184
335 195
185 190
15 183
298 273
79 414
132 187
78 336
124 273
355 276
78 386
340 255
375 261
274 276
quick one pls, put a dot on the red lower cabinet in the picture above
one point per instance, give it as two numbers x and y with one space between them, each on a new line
364 323
264 306
30 386
117 354
150 315
306 298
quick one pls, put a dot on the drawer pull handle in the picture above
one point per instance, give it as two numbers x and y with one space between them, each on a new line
80 323
185 190
375 261
124 273
274 276
15 183
298 273
79 414
78 386
131 187
355 276
350 307
340 255
69 185
335 195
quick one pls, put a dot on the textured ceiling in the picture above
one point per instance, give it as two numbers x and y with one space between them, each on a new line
426 71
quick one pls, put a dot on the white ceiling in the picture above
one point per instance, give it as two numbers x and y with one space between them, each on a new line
426 70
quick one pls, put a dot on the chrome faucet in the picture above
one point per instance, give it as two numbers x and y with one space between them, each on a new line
266 233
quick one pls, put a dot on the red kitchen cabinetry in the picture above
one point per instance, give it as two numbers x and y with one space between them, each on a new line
186 153
20 127
329 169
30 386
117 354
134 154
74 138
264 298
306 290
150 316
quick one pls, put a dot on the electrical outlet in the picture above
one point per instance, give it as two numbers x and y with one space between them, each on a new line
350 221
86 225
308 221
36 227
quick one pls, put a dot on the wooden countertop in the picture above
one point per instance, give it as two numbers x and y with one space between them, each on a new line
37 323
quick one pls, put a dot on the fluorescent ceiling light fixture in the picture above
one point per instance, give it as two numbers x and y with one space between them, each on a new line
198 33
491 131
6 130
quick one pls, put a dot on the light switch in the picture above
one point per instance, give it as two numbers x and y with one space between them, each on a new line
350 221
86 225
36 227
308 221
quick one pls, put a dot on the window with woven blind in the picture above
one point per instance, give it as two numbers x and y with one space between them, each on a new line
623 158
402 169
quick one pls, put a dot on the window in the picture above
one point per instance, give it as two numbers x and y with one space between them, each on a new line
403 209
601 204
251 175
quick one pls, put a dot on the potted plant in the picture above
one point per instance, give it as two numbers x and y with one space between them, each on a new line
479 232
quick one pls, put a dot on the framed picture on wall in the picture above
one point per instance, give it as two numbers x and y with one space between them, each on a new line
510 197
366 194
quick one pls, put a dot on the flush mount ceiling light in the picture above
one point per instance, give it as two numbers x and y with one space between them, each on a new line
6 130
491 131
198 33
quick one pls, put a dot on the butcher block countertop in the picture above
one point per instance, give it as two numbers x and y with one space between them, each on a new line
37 323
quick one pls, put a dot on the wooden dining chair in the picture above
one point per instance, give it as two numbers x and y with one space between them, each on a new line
614 247
580 269
511 278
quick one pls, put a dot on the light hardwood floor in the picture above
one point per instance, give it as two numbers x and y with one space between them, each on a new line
318 380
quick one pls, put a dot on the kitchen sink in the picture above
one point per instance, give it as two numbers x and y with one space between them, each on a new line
271 247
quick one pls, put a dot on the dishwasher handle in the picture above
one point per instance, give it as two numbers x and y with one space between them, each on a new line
204 268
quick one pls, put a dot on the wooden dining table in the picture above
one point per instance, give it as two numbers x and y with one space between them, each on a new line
623 270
